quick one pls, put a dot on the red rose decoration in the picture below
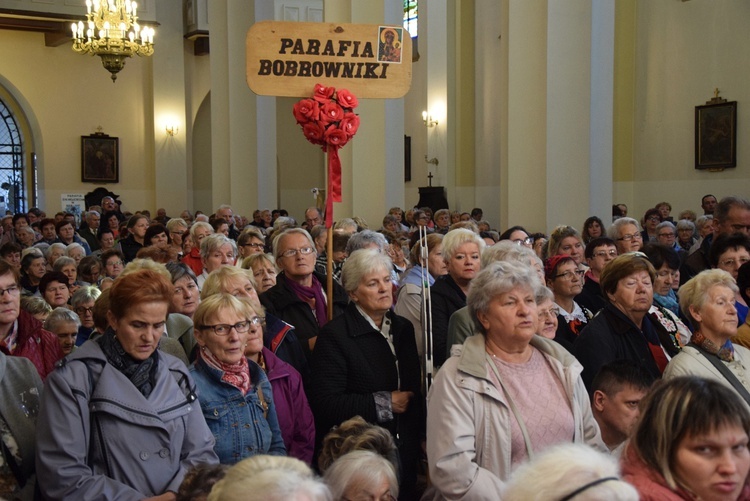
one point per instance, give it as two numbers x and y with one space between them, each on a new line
323 94
306 110
328 120
347 99
350 123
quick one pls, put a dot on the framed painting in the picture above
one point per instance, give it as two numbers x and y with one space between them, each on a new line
716 136
100 161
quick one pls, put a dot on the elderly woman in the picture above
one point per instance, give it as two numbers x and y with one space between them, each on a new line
362 475
136 239
708 301
566 240
627 235
548 312
118 418
106 241
728 253
89 270
111 220
517 235
410 297
565 280
192 258
67 266
691 443
482 420
113 262
279 359
82 302
186 296
55 289
592 228
157 235
685 234
33 268
233 390
623 330
462 251
264 270
251 241
217 250
176 227
67 235
366 363
53 252
75 251
299 296
64 324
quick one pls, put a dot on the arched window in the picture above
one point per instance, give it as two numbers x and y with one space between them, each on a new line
410 17
12 188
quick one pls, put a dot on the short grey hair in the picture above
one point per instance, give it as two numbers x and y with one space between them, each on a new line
250 232
269 478
284 222
685 224
27 229
214 242
613 231
200 225
74 246
360 263
179 270
498 278
61 315
695 291
364 239
507 250
364 469
63 261
291 231
666 224
346 223
84 295
52 247
458 237
544 294
703 221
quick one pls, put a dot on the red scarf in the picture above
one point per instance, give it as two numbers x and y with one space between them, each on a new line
238 375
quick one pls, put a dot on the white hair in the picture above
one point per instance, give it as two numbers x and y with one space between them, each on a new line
360 470
562 470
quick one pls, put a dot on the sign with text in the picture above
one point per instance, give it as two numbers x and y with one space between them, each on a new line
289 58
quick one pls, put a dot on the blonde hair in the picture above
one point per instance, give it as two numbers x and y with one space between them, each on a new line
695 291
218 280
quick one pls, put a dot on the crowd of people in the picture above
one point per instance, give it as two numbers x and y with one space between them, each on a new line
433 357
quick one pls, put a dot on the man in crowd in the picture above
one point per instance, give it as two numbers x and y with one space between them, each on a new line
88 231
708 204
225 212
313 217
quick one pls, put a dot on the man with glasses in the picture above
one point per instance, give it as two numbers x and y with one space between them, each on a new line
598 253
732 215
666 234
627 235
82 303
22 335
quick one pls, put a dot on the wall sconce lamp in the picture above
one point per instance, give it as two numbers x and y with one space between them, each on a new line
172 129
431 161
428 120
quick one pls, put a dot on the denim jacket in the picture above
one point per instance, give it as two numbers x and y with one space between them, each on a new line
237 421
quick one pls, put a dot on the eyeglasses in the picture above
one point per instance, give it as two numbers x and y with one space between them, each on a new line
631 236
654 218
568 275
254 246
240 327
115 263
610 253
523 241
551 313
733 262
81 310
13 290
293 252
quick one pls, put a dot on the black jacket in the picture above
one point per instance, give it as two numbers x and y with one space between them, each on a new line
447 298
281 301
697 261
591 296
351 362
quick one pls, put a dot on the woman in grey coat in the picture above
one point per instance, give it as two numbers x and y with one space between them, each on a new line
118 418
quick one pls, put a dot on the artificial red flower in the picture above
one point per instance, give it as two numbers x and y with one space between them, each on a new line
331 112
323 94
313 131
306 110
347 99
350 123
335 137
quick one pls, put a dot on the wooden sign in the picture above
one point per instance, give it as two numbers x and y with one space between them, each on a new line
289 58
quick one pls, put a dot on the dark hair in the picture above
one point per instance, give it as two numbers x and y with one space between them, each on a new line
623 266
62 223
179 270
154 230
28 258
649 213
743 280
616 211
507 233
9 248
133 220
588 252
726 204
705 197
46 222
20 215
476 211
87 264
726 242
616 375
52 276
109 253
103 230
659 255
199 480
587 224
6 267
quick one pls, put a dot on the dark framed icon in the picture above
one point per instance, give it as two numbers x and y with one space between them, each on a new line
716 136
100 159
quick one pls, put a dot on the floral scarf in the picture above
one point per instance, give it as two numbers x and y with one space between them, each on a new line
141 373
237 375
724 352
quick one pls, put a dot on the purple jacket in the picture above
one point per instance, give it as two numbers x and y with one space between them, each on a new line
294 414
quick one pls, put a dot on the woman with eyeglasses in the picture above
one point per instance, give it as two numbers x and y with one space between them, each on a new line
233 390
627 235
366 364
281 358
299 296
623 329
517 235
565 280
251 241
650 221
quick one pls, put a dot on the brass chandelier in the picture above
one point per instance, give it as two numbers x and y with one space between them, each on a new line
112 33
